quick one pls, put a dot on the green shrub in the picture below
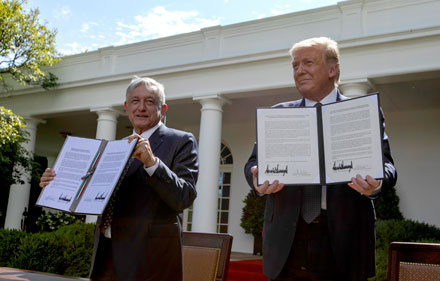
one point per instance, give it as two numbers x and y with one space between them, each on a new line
52 221
77 243
388 231
252 218
387 205
66 251
406 230
9 242
40 252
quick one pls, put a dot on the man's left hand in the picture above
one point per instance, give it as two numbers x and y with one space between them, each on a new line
364 186
143 151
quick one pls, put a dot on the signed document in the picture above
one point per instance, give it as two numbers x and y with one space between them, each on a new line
87 172
327 144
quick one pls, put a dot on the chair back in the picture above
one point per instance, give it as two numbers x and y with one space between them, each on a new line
413 261
206 256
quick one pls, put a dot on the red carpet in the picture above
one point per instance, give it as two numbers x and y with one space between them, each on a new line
246 270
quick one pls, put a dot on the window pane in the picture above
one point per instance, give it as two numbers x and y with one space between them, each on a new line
225 151
224 217
227 160
226 178
225 204
226 189
223 229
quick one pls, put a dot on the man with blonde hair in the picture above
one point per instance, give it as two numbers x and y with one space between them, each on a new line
319 232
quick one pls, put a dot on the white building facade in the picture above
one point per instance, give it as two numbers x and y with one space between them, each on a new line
216 77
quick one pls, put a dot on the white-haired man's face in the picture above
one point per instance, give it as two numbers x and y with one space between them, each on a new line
143 110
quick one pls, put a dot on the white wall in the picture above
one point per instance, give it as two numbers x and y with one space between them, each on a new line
415 146
240 138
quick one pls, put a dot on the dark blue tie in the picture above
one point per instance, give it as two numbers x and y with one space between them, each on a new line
311 199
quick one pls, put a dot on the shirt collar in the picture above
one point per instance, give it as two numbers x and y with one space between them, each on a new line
332 97
147 134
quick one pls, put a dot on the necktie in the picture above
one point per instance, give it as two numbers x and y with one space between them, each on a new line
311 199
108 212
311 202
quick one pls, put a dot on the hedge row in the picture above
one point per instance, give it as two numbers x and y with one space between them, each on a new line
388 231
68 250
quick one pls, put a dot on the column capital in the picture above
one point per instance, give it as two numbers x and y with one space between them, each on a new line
213 102
355 87
32 121
106 109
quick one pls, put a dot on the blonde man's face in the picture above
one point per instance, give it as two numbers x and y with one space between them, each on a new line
314 78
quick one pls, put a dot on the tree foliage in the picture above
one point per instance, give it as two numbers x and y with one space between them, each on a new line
387 205
252 219
14 159
25 46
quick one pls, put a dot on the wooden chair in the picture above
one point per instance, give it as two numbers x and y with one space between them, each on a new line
413 261
206 256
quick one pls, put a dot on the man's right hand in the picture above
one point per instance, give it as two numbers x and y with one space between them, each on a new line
47 177
265 188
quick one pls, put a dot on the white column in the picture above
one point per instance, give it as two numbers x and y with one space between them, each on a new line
107 121
355 88
204 217
106 129
19 193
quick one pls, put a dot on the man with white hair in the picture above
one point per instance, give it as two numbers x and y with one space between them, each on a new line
140 239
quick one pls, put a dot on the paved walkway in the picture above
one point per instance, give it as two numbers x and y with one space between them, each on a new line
26 275
236 256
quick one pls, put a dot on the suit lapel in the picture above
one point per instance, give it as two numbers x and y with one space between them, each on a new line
340 96
156 138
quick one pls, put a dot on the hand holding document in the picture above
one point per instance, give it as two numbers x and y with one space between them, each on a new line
87 171
328 144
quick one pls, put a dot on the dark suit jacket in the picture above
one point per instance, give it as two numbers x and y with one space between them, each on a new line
351 218
146 227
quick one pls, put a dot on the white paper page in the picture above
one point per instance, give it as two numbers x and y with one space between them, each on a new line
71 165
287 145
352 137
107 173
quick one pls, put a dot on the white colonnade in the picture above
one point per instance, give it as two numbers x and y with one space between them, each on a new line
204 217
19 193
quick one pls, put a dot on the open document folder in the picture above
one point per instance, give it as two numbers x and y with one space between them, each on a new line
327 144
87 172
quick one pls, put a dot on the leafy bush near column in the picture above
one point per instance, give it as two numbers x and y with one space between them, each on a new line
77 243
52 221
388 231
40 252
252 218
67 251
9 241
387 205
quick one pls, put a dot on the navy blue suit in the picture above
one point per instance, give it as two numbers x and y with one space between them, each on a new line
351 218
146 229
